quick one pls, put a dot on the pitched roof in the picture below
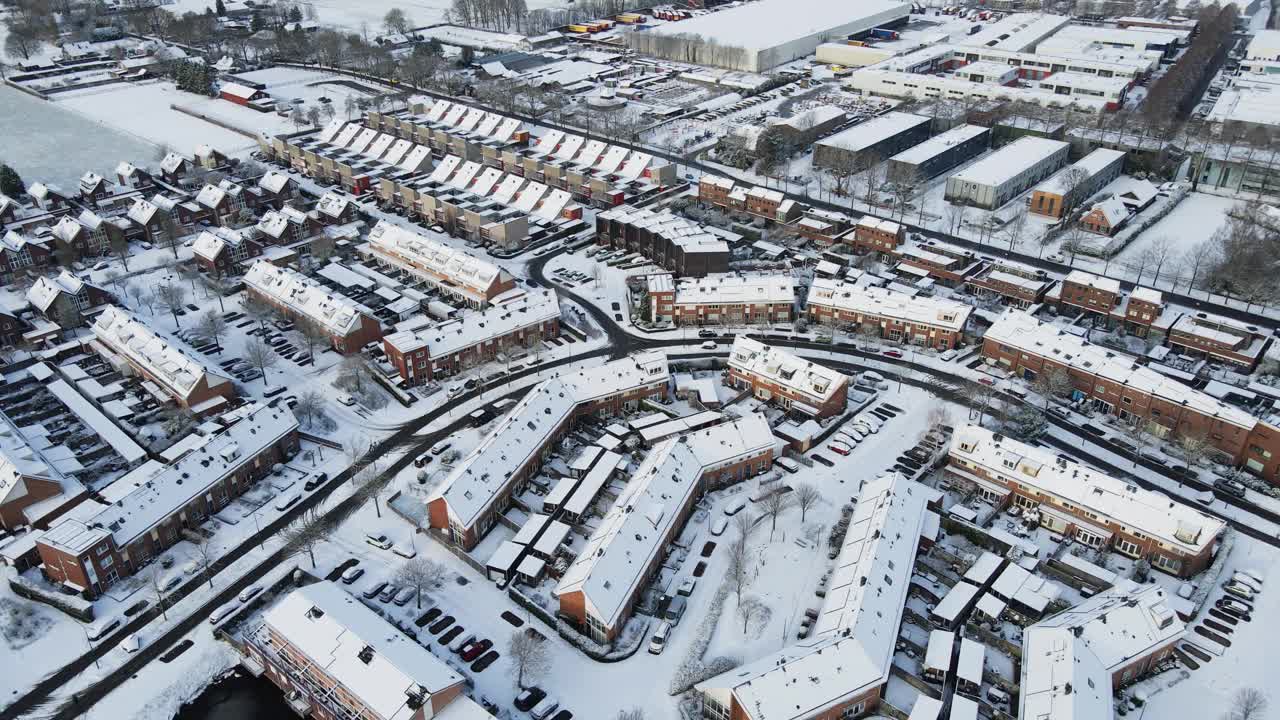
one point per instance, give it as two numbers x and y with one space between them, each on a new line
338 314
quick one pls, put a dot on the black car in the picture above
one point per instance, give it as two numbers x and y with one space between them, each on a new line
562 715
1230 487
427 617
485 661
530 697
616 306
706 333
316 481
441 624
451 635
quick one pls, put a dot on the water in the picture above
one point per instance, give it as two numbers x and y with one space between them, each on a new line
239 697
48 143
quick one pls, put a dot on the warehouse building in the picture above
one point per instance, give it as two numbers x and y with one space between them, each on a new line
1062 192
879 137
941 153
998 178
761 35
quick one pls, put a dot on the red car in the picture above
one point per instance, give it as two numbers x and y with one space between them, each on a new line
839 447
892 353
477 649
987 381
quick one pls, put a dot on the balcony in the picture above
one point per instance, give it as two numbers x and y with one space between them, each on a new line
300 703
252 665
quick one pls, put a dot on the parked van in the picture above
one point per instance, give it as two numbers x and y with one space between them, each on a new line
788 465
735 507
99 630
719 526
675 610
997 696
218 615
658 642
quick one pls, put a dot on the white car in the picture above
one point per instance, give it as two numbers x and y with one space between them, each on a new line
345 399
404 551
1251 574
708 345
171 582
1248 582
379 541
719 526
131 643
1244 592
658 642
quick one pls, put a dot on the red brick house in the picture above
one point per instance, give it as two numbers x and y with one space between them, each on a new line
174 167
727 299
94 187
1105 217
224 251
791 382
132 176
876 235
11 329
20 253
277 188
286 226
897 317
47 197
91 552
65 299
1089 293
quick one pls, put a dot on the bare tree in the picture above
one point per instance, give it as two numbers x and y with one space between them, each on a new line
979 397
772 506
257 310
955 218
1248 704
170 297
751 608
420 574
528 654
635 713
147 298
306 532
157 589
259 355
806 497
1195 446
310 407
205 558
217 287
1159 252
740 573
1051 383
355 373
120 248
212 327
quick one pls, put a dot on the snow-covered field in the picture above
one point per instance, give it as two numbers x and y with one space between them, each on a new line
351 16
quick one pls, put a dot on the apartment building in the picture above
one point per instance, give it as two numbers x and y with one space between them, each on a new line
66 299
481 485
453 272
334 658
1016 285
349 325
450 346
599 589
1232 342
947 266
772 205
894 316
145 512
841 670
722 299
876 235
1071 186
1117 385
673 243
879 138
997 178
170 374
791 382
223 251
1091 508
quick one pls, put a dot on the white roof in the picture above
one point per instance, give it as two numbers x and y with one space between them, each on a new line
88 413
771 23
136 510
125 335
504 558
1080 277
238 90
484 472
873 131
45 290
336 313
273 181
472 328
984 568
938 144
937 655
689 236
454 266
593 482
615 560
1062 679
1092 164
857 629
1020 330
1113 210
332 629
972 655
735 289
925 708
1152 513
802 376
209 243
172 162
1125 622
855 298
955 601
332 205
1009 161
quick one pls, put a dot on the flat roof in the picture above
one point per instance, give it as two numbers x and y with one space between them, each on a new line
873 131
736 289
939 144
770 23
1012 159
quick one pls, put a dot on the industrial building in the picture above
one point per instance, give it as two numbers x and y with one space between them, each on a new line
759 36
1065 190
940 153
879 138
998 178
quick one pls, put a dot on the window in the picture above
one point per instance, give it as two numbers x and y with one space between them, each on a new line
852 711
713 709
1127 547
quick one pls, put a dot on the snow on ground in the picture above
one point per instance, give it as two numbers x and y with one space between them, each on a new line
163 688
352 16
286 84
1190 223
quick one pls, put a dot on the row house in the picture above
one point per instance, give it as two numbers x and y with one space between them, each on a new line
1016 285
671 242
223 251
786 380
449 347
842 669
1221 339
12 328
93 187
349 325
48 198
772 205
86 235
276 188
209 158
222 203
20 253
133 177
948 266
722 299
10 210
334 658
168 373
40 477
95 545
1105 303
481 486
1077 660
335 209
877 235
1117 385
715 190
350 155
156 218
825 227
1085 505
66 300
451 271
174 167
599 590
929 322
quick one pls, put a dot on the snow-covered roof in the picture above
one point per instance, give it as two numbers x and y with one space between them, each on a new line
881 302
1090 165
222 451
804 377
685 234
332 205
1152 513
772 23
616 558
984 568
1010 161
854 637
1112 210
523 432
736 289
466 272
473 328
273 181
1022 331
390 674
926 708
46 290
23 457
237 90
937 655
1062 679
873 131
593 482
142 211
1125 622
1106 284
335 313
955 601
210 243
125 335
938 144
172 162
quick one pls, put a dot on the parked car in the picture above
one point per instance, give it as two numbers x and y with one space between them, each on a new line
719 526
1230 487
351 575
388 593
403 597
708 345
461 643
374 590
1248 582
544 709
379 541
345 399
1241 591
658 642
218 615
706 333
423 460
477 649
675 610
315 481
735 507
1251 574
249 593
839 448
101 629
892 353
687 586
528 698
404 551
